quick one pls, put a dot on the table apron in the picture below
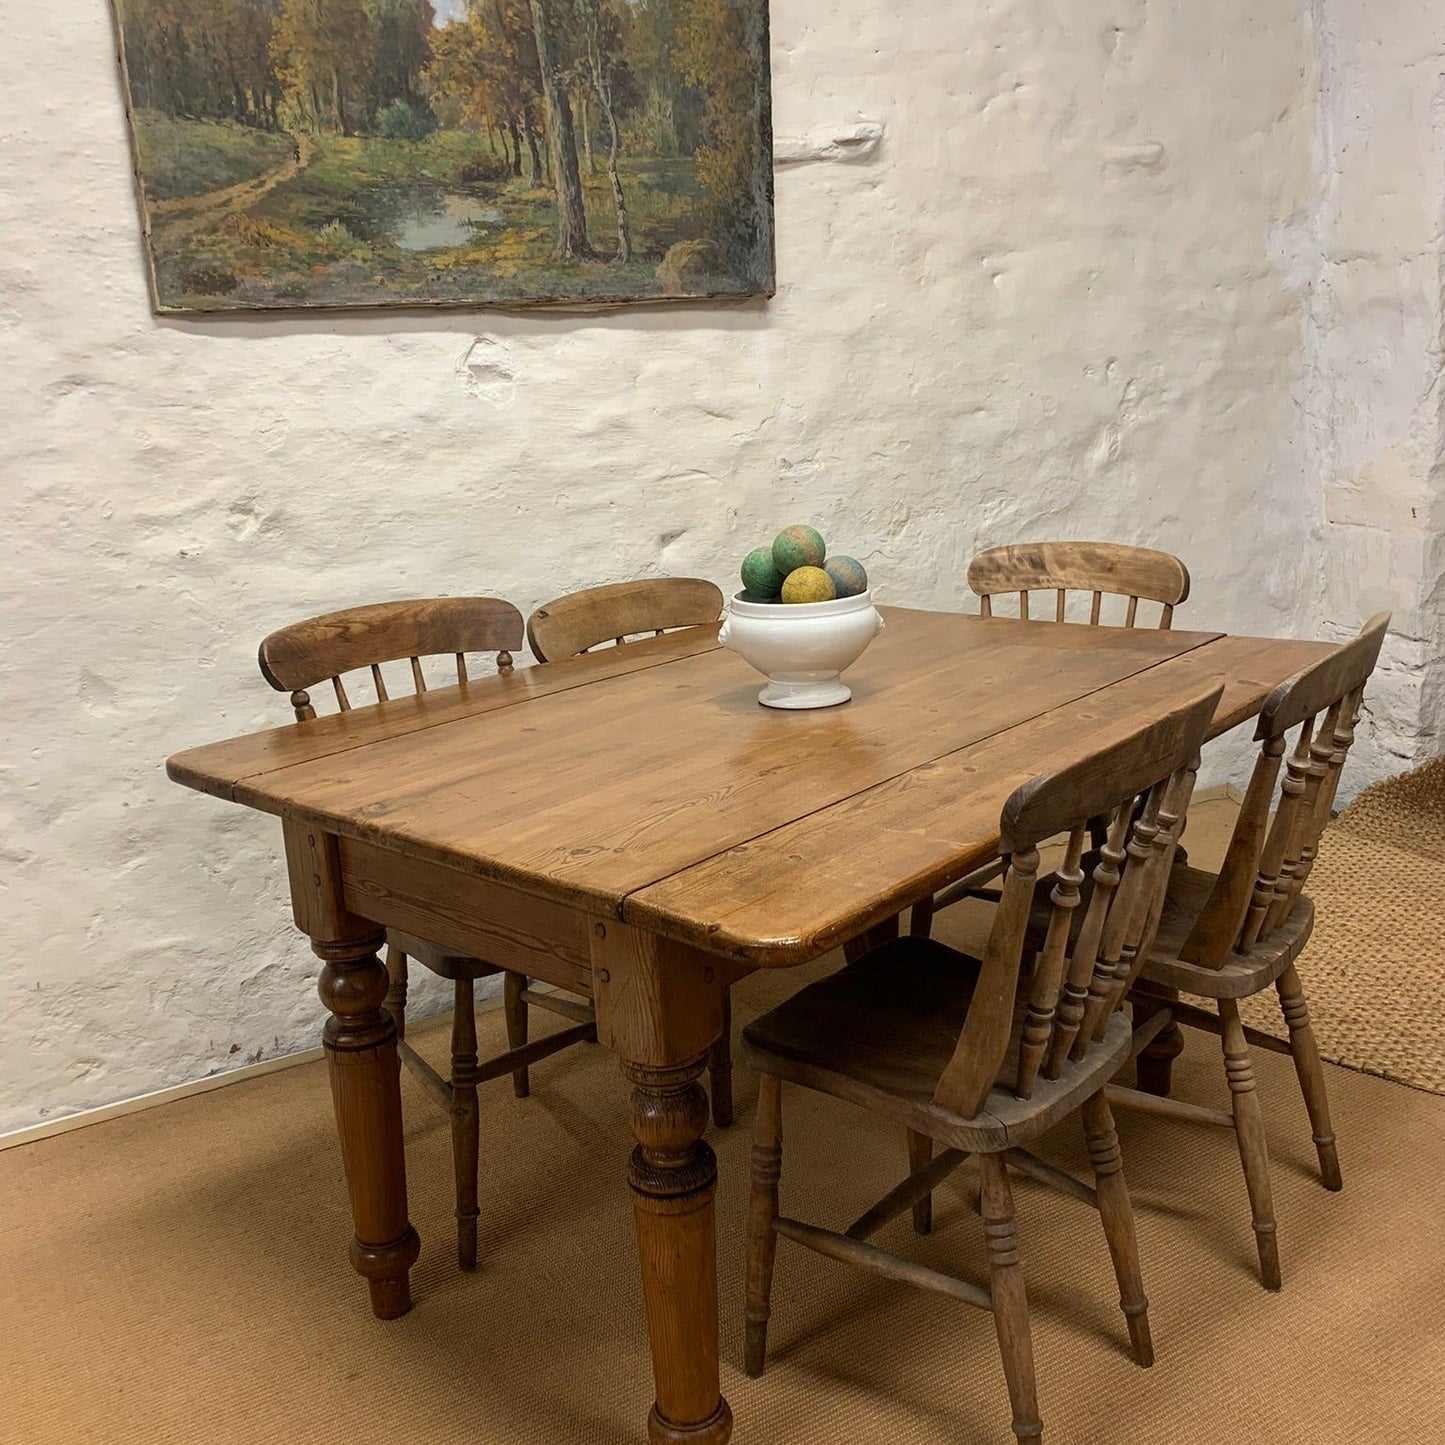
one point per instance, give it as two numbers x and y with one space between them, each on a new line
488 920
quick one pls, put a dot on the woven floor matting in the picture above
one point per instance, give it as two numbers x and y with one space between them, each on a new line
180 1276
1374 968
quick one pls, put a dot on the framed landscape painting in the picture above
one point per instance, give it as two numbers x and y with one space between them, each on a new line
314 153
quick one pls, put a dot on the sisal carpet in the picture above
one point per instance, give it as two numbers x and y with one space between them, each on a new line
1373 968
180 1276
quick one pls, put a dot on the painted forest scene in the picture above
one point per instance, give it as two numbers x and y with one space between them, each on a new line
301 153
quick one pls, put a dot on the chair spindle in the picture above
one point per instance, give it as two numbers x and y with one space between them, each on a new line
1049 970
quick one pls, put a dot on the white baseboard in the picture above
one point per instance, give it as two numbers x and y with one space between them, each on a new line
31 1133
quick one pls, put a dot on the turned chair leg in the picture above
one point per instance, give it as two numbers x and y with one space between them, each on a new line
515 1008
1118 1217
1010 1301
920 1151
1311 1073
1249 1133
1154 1067
396 988
767 1168
720 1067
465 1121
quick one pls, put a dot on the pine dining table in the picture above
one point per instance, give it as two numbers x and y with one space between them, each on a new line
631 825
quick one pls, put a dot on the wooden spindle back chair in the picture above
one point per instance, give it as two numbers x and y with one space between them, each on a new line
1081 975
1269 860
616 614
1100 568
1233 934
322 649
360 639
981 1055
580 621
1103 569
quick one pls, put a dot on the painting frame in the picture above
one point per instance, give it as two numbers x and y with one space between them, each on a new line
688 243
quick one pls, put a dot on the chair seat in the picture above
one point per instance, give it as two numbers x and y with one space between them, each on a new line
881 1031
446 962
1242 975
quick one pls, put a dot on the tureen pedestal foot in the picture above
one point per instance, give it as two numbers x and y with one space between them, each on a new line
828 692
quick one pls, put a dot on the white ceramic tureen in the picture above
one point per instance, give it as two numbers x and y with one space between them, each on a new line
801 647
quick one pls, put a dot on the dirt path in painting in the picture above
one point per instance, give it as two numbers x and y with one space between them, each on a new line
195 213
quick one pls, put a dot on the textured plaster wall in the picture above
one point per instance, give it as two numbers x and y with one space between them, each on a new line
1375 405
1064 296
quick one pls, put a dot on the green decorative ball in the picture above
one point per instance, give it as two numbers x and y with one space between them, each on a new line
760 574
808 584
746 596
798 546
848 575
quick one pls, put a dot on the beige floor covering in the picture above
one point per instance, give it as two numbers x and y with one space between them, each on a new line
180 1275
1374 967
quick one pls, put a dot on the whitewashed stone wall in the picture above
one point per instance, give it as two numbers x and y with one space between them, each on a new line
1375 406
1069 294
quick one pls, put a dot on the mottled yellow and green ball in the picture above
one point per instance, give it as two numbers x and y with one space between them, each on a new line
760 573
808 584
798 546
849 578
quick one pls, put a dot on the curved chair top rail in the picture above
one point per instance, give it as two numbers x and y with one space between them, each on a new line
1093 787
1325 682
1103 568
323 648
579 621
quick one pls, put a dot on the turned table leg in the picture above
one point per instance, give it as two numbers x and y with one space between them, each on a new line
1155 1064
673 1174
361 1058
660 1009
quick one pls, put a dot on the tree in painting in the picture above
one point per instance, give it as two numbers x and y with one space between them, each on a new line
401 152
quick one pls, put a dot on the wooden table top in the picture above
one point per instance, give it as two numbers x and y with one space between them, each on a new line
647 783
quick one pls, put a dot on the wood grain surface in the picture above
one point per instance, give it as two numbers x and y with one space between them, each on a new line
646 783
